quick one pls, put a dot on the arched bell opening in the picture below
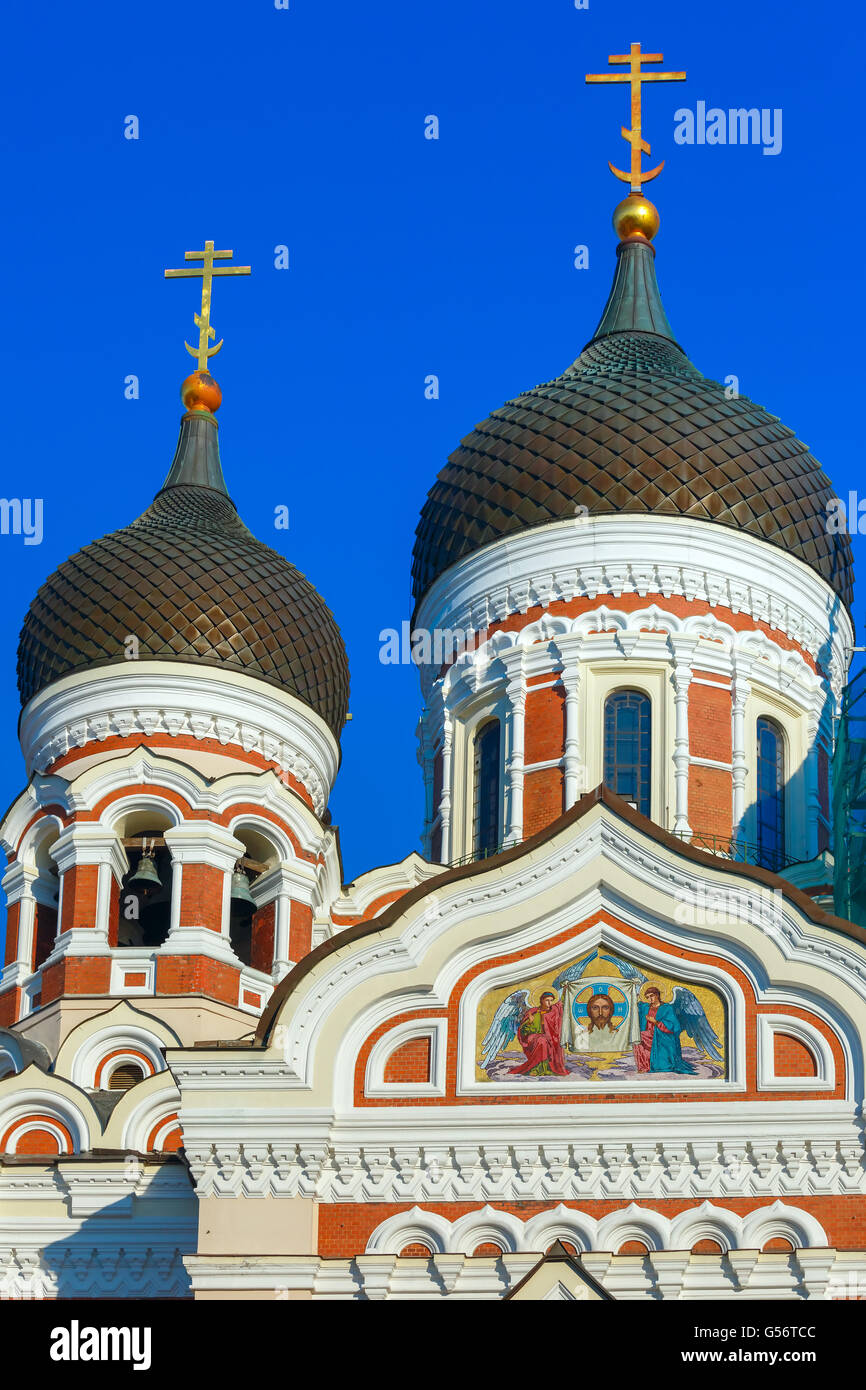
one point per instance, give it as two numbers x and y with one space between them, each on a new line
145 895
46 891
252 923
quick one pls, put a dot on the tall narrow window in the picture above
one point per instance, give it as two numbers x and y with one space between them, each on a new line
486 836
771 795
627 727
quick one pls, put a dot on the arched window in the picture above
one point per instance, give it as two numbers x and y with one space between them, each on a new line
486 809
771 795
627 727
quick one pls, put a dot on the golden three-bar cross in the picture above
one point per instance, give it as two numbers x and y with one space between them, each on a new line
207 271
635 76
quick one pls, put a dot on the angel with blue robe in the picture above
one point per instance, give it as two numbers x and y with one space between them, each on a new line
661 1027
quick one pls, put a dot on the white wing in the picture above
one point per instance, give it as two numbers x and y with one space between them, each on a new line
506 1022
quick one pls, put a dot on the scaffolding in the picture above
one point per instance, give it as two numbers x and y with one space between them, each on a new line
849 804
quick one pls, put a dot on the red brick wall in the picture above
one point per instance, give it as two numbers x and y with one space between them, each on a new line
544 728
262 948
346 1227
76 975
300 931
13 913
113 911
410 1061
79 896
201 896
710 719
38 1141
197 975
710 788
791 1057
9 1007
542 799
710 804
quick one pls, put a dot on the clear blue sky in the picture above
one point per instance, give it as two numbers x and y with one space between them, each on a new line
306 127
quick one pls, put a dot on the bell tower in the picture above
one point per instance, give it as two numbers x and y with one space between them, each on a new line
183 689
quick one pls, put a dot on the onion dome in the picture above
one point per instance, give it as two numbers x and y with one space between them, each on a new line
192 584
631 426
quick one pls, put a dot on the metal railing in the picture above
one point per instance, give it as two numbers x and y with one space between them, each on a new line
737 850
730 847
476 856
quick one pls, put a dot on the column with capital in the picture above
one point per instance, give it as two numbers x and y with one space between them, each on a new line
741 687
447 773
684 650
289 889
569 649
91 862
515 694
811 837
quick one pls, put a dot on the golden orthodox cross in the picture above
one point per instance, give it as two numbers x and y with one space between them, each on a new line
635 76
207 271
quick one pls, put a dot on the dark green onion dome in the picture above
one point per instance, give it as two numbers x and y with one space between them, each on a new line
192 584
631 426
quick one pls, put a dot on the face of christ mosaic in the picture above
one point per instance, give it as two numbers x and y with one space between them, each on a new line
601 1019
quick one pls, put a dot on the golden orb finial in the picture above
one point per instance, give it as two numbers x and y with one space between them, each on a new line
635 216
201 392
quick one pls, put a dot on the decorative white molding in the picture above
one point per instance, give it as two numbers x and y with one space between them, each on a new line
577 863
515 695
815 1044
132 963
669 1150
656 1231
436 1030
117 1036
665 555
381 882
254 982
96 1242
664 1274
172 699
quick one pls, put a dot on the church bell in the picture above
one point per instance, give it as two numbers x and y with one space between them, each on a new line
146 877
240 891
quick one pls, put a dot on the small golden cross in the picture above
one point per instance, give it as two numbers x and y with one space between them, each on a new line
635 76
207 271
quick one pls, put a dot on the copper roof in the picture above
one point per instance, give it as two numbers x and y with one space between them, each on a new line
191 583
631 426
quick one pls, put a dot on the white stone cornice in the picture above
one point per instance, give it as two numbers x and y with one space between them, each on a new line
642 554
647 635
18 882
203 842
85 844
172 699
721 1161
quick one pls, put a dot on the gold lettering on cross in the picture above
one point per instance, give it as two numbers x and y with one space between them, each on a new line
635 76
207 271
